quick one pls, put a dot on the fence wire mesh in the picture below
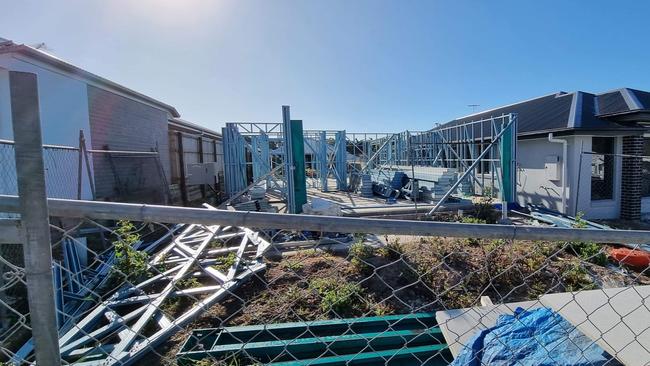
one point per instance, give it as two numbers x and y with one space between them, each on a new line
61 164
178 293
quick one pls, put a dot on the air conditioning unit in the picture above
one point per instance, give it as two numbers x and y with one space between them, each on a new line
202 173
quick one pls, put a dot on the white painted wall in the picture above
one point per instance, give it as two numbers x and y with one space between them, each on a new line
533 186
579 198
63 109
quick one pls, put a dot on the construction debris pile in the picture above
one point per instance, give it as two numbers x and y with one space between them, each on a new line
255 200
196 269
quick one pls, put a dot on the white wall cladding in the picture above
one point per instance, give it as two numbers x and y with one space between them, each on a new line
63 103
533 187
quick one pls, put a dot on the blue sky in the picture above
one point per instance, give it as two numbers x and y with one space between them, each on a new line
356 65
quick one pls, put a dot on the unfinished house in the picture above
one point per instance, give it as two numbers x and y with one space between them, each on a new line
134 126
567 152
574 152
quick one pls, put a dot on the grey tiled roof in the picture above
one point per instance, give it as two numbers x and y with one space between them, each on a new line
570 111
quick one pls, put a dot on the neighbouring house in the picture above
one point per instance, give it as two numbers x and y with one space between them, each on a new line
111 116
191 144
602 132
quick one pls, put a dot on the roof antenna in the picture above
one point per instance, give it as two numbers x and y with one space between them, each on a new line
473 106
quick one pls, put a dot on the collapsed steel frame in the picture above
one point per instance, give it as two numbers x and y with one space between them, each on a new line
125 326
482 152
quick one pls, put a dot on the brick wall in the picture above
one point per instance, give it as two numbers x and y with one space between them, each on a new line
124 124
631 178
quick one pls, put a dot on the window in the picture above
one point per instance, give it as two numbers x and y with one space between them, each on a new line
602 168
645 169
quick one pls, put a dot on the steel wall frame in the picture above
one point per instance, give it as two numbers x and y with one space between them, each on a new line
337 154
455 146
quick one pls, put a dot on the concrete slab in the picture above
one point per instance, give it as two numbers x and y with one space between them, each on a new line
459 325
618 319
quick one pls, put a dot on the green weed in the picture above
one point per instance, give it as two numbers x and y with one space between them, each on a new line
576 278
225 262
360 253
292 265
392 251
129 263
338 296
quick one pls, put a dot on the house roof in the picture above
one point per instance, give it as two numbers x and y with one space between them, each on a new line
7 46
182 125
618 110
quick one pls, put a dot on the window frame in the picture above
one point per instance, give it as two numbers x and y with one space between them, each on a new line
609 162
645 163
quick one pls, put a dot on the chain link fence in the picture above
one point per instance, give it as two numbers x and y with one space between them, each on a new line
61 164
204 286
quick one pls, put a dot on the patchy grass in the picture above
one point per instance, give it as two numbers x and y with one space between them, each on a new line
292 265
589 251
576 278
472 220
409 274
391 251
187 283
359 255
339 297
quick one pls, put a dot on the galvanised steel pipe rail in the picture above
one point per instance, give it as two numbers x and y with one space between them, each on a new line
264 220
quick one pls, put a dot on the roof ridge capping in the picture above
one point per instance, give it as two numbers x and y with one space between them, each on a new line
631 99
575 113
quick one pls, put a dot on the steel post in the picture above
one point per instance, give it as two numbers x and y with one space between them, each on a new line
34 216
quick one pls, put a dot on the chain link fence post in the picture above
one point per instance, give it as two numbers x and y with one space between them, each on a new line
34 216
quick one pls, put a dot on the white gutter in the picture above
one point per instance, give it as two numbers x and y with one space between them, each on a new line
564 167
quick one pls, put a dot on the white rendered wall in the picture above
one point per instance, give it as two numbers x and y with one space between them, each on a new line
533 186
63 105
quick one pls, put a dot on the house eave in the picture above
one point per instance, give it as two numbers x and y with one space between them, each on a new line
640 115
181 125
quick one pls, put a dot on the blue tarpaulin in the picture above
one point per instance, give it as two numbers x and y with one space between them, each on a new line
535 337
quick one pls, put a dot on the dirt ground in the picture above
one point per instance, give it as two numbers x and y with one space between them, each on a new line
409 274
